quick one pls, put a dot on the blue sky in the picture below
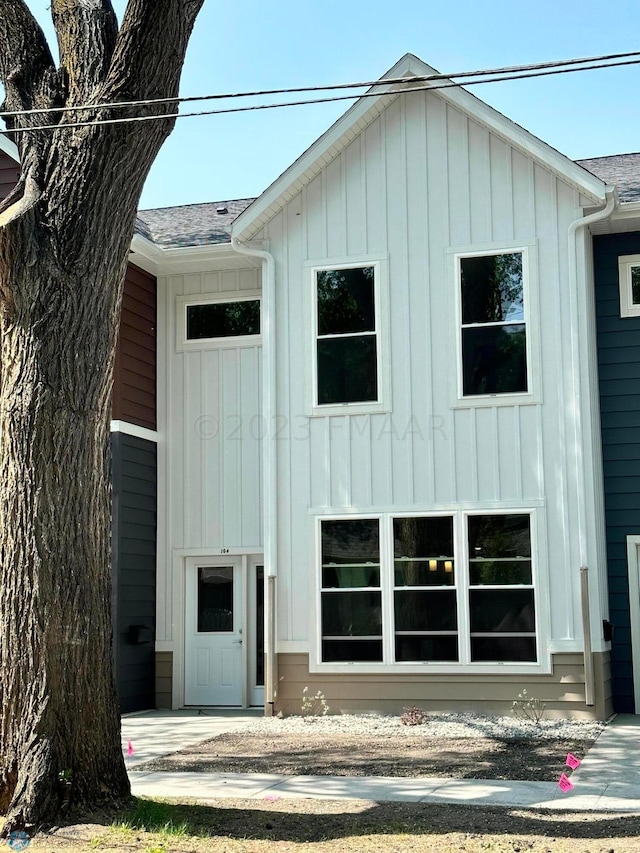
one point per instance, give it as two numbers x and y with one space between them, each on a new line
247 44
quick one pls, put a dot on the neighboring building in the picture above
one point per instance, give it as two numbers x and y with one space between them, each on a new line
379 458
133 447
616 253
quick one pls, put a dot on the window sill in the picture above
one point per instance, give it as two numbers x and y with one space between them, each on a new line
333 409
230 342
494 400
442 669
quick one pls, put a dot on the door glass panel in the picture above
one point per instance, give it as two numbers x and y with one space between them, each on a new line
215 599
259 626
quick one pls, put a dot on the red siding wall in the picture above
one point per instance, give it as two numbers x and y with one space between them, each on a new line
134 391
9 170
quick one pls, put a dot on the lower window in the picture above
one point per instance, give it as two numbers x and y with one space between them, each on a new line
405 602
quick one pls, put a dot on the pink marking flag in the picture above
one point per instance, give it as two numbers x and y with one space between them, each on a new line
129 748
564 783
572 761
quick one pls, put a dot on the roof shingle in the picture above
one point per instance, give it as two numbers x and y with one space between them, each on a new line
190 224
623 170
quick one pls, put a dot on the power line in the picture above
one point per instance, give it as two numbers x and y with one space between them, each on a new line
407 81
510 69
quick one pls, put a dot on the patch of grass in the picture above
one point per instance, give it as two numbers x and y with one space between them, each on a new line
154 816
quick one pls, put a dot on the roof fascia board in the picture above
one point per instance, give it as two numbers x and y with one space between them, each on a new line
627 210
365 110
9 147
145 254
184 259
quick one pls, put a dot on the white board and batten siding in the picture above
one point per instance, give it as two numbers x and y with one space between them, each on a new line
210 443
421 182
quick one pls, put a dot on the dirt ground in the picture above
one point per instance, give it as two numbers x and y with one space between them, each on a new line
298 826
525 759
331 826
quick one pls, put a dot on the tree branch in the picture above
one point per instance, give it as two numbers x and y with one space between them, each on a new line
151 47
26 63
87 31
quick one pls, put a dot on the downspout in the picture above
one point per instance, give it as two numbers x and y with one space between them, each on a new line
269 461
610 195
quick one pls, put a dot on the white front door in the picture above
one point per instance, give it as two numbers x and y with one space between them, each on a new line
214 660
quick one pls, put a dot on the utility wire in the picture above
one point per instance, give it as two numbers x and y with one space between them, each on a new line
510 69
406 81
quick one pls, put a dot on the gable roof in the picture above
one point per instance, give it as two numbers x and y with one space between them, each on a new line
623 170
190 224
368 107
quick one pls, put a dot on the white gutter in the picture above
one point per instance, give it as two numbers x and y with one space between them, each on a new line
612 201
270 475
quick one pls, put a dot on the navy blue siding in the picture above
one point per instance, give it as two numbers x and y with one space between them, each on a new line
134 568
619 369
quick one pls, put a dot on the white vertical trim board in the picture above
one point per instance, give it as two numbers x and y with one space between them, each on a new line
633 563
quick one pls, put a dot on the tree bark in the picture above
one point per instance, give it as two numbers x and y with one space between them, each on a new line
62 262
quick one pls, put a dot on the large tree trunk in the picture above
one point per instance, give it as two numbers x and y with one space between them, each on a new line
64 244
60 729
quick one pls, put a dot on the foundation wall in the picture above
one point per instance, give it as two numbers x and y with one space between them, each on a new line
563 692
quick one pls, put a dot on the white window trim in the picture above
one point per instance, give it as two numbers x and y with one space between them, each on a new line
625 265
381 307
183 344
464 666
529 275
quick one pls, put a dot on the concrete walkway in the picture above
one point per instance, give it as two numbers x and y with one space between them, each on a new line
608 779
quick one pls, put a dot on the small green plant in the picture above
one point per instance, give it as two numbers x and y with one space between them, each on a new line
313 706
152 816
528 709
413 716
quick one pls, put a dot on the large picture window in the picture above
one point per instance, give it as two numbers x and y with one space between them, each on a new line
493 330
416 600
346 336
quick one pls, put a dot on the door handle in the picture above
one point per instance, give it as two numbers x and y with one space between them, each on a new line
237 642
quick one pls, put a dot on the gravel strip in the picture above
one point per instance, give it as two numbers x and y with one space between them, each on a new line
437 725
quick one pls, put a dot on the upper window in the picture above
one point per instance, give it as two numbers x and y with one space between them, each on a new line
452 588
346 336
629 279
223 319
493 327
218 321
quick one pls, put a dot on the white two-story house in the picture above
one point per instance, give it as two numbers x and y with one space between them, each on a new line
379 458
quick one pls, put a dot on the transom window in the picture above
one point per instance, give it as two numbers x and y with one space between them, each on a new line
629 278
223 319
347 347
210 321
452 588
493 333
